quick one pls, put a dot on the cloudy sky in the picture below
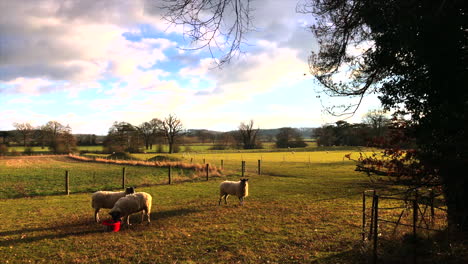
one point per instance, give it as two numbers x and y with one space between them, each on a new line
88 63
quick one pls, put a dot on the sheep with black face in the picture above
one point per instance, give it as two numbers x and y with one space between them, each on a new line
106 199
130 204
238 188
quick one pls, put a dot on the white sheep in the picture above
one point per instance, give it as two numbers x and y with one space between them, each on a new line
239 189
106 199
130 204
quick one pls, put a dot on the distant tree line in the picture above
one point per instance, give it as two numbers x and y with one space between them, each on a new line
54 135
125 137
374 128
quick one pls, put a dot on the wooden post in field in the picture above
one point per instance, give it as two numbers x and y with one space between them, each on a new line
204 161
243 168
67 183
207 171
415 223
376 224
415 213
259 167
222 164
123 178
432 207
363 215
169 175
371 228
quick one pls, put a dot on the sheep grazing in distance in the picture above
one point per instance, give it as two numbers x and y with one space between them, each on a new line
105 199
239 189
130 204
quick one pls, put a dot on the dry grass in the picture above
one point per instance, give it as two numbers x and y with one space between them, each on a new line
199 168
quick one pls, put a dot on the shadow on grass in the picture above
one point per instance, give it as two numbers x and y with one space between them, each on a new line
27 235
78 228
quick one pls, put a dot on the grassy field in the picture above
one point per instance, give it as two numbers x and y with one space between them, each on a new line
297 212
45 175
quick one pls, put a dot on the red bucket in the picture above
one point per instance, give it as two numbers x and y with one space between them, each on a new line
111 226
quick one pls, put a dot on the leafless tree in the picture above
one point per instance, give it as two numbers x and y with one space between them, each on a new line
248 135
207 22
25 131
172 127
146 132
156 131
377 121
58 137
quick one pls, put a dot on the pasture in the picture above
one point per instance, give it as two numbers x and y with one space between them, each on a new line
297 212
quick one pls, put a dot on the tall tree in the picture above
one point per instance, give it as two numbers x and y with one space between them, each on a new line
248 135
146 131
414 55
58 137
156 131
25 131
172 127
377 121
288 137
123 136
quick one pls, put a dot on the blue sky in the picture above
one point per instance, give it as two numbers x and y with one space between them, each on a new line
89 63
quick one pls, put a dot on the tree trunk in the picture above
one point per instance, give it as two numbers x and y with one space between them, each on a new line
456 195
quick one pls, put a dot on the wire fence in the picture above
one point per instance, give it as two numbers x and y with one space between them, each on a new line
416 214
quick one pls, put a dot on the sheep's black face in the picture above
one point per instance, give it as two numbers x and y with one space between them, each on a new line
115 216
130 190
244 180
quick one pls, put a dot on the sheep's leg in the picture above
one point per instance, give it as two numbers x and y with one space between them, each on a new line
128 219
147 212
241 200
96 215
221 197
225 198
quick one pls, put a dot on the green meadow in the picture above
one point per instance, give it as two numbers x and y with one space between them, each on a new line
304 207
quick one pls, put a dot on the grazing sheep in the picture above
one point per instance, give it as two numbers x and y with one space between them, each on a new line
239 189
105 199
130 204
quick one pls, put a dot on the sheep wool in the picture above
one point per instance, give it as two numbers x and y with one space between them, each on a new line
106 199
130 204
239 189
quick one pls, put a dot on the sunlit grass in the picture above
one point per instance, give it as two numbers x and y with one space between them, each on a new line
297 212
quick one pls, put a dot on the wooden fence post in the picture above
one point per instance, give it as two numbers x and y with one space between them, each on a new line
259 167
123 178
67 183
371 228
243 168
415 214
363 215
169 175
207 170
432 207
376 224
222 164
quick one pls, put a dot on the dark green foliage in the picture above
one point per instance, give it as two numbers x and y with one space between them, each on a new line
343 134
163 158
123 137
122 156
288 137
415 56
